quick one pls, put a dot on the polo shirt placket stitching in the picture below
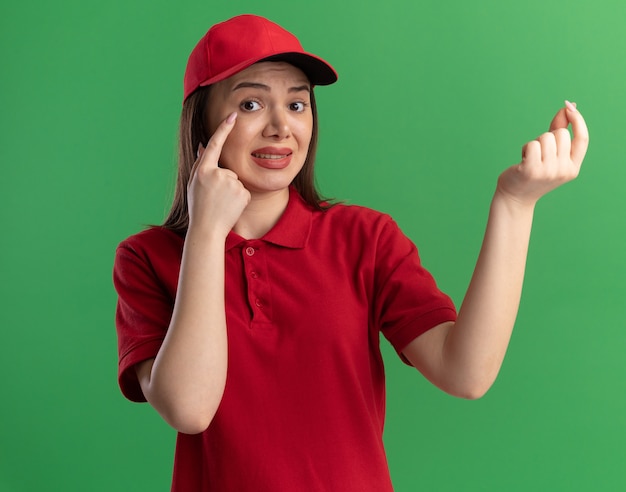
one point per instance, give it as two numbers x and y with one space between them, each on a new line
254 254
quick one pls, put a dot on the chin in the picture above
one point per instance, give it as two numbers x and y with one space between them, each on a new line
268 187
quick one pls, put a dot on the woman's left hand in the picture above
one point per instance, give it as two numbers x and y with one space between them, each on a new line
549 161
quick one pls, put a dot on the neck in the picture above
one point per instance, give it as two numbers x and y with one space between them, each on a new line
261 214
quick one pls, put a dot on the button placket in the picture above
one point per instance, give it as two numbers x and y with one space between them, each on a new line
258 288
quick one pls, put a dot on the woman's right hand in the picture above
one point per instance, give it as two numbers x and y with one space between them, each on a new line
185 382
216 198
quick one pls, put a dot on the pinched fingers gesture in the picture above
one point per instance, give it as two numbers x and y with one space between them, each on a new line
216 198
549 161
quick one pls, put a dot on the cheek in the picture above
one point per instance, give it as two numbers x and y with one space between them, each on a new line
305 133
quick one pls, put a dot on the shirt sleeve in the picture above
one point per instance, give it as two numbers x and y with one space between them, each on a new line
144 310
407 300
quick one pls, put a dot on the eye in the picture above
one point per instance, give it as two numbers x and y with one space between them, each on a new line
250 106
298 107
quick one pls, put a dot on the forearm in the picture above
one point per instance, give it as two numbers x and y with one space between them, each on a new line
474 348
189 373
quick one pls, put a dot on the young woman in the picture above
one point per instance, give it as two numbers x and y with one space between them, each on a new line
250 320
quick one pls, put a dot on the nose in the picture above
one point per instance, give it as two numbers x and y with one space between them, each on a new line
277 126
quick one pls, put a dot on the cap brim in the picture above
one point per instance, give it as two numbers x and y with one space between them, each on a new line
317 70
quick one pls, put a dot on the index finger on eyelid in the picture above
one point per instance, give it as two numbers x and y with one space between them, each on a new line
216 142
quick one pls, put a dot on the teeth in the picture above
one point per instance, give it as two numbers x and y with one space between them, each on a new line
268 156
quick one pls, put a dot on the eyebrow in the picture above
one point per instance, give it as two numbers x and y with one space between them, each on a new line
257 85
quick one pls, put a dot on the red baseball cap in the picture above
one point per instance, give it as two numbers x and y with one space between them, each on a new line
235 44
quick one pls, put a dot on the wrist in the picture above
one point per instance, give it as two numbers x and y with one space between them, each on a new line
206 236
503 198
512 206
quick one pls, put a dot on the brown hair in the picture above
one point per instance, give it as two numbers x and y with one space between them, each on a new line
193 131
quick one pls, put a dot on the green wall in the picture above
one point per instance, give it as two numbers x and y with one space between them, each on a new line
435 98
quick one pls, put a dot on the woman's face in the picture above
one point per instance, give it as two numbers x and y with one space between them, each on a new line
268 145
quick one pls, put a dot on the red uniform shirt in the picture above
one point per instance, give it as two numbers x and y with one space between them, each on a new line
304 403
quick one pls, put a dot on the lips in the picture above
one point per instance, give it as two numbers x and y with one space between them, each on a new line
272 157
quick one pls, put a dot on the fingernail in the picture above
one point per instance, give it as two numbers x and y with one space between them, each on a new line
231 118
570 106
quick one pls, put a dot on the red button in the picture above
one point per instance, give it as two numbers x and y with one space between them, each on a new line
249 250
258 303
254 274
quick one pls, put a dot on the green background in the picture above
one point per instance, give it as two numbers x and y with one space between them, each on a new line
435 98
